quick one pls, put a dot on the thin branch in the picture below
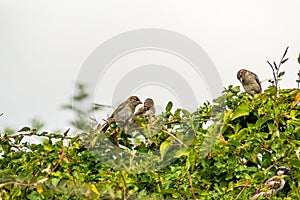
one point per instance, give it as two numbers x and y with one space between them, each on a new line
23 184
58 162
268 79
241 192
275 163
173 136
102 105
173 122
34 133
191 185
274 74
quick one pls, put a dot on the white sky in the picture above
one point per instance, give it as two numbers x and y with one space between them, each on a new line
43 44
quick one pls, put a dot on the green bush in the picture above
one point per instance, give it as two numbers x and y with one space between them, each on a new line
181 159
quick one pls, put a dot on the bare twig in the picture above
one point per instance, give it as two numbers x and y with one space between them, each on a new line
275 163
276 71
241 192
191 185
173 136
23 184
102 105
34 133
58 162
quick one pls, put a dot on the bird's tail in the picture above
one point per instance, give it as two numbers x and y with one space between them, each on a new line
102 128
255 196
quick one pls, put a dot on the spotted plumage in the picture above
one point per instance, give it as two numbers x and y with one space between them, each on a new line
272 186
148 110
124 111
249 81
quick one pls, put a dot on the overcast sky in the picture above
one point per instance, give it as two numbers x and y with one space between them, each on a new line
44 44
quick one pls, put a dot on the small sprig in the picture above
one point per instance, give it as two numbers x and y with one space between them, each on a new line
276 71
298 81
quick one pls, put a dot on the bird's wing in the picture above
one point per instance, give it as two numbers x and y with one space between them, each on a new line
258 82
273 183
118 109
150 112
140 111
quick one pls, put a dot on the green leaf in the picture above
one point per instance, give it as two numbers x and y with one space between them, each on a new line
34 195
182 152
281 74
164 147
24 129
242 110
295 163
241 134
169 106
230 187
55 181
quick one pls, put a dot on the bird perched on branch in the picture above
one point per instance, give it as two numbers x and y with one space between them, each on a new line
249 81
273 185
124 111
148 110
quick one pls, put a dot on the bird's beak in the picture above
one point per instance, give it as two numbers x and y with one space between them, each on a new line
287 169
139 102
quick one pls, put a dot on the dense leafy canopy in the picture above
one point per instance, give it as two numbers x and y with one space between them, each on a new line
224 150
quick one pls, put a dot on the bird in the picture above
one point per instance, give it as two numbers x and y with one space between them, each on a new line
124 111
148 110
273 185
249 81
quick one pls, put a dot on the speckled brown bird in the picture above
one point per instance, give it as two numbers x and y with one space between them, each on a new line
124 111
272 186
249 81
148 110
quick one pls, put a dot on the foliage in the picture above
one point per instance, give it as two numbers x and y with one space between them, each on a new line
223 150
176 155
82 114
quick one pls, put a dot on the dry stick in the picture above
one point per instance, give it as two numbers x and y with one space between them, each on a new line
173 122
58 162
191 184
34 133
275 163
274 75
241 192
173 136
268 79
103 105
23 184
